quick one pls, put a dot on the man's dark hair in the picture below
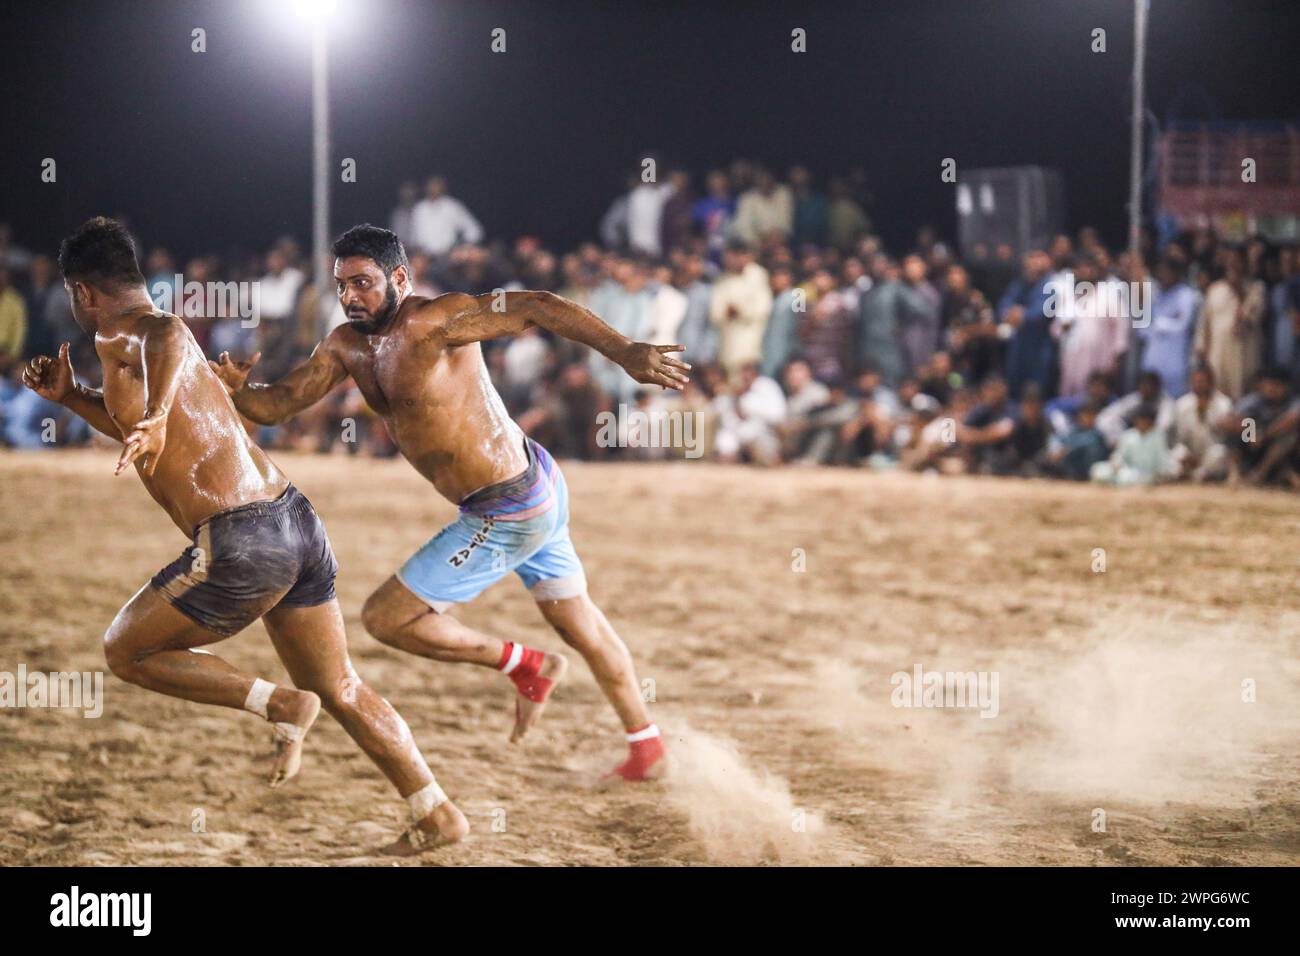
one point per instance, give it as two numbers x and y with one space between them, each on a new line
373 242
101 253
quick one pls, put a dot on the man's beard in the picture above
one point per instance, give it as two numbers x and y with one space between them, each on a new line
381 318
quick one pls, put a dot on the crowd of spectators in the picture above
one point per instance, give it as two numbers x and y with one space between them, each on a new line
812 343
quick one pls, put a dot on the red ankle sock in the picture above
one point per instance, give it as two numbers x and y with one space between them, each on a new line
645 749
521 665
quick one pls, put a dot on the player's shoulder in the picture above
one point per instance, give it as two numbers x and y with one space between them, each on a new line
431 313
445 304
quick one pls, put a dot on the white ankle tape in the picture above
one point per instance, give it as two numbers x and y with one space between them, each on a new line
286 731
258 695
425 801
645 734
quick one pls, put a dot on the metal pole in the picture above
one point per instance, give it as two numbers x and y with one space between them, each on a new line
320 192
1139 109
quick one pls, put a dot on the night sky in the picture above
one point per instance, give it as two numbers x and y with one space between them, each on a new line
212 150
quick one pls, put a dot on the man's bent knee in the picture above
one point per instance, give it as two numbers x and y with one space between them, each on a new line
122 657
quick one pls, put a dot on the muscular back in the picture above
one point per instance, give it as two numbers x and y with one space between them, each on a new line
208 464
436 398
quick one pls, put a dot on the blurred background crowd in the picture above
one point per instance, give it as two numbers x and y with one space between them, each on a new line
812 343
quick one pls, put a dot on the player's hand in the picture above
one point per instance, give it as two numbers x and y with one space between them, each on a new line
233 375
51 378
145 442
652 365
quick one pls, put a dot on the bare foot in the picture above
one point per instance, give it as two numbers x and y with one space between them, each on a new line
291 721
528 712
444 826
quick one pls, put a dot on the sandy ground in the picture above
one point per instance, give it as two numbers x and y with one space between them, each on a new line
1120 693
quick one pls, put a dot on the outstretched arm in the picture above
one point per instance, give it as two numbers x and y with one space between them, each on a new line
473 318
52 379
279 401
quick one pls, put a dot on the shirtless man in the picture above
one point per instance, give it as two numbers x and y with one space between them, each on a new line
418 363
259 551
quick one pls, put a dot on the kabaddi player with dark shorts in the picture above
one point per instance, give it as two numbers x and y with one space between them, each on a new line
258 549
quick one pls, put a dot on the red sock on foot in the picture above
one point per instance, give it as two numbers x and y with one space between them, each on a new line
521 665
645 749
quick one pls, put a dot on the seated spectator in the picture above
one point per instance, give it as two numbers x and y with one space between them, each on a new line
1061 411
747 419
1197 437
1262 432
938 380
1027 448
1073 455
928 440
985 433
1119 414
1141 457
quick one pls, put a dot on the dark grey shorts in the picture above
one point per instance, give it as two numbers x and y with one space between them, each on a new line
250 560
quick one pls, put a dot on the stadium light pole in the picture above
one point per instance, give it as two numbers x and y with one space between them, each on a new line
1140 8
317 14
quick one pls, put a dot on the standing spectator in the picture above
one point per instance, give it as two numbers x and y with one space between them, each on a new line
1228 337
1022 310
713 214
878 340
810 209
42 339
402 218
12 256
626 304
13 325
613 225
764 212
845 220
277 317
160 276
523 363
970 327
1091 324
1285 301
675 223
440 222
781 337
918 304
667 309
826 332
1168 336
697 332
645 209
741 306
